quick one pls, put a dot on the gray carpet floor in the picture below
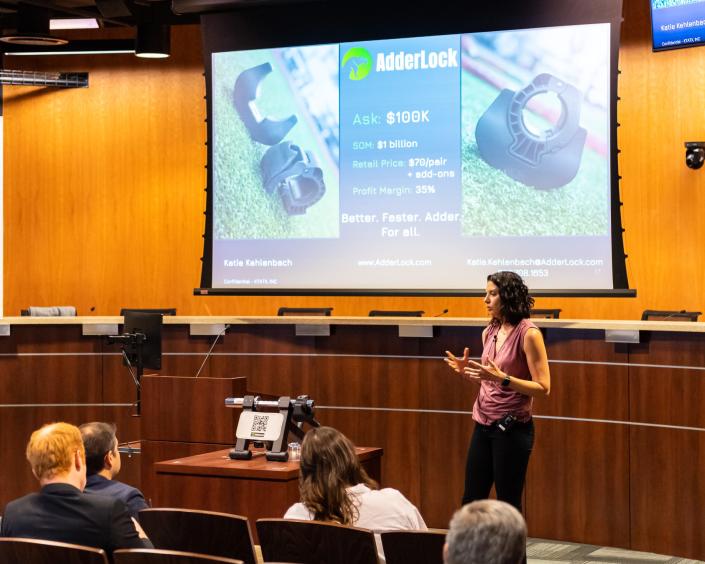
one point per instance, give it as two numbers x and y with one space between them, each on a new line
540 551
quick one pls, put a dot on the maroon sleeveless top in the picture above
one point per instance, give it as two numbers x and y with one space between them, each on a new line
493 401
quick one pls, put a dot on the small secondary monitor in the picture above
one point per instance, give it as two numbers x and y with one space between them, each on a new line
161 310
395 313
150 325
677 23
322 311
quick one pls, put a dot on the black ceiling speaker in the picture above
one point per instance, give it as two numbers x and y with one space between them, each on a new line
32 28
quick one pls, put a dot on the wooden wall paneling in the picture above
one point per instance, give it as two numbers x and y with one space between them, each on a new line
455 339
182 353
92 196
119 388
665 482
586 345
667 491
245 497
367 367
183 416
577 485
441 388
45 375
396 432
367 340
16 426
105 183
50 379
190 410
583 466
365 382
442 444
589 377
56 366
447 426
663 392
48 339
274 360
157 451
664 229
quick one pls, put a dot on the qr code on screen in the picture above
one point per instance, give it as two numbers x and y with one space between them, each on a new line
259 425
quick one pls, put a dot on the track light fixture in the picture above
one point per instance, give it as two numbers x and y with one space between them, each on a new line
153 40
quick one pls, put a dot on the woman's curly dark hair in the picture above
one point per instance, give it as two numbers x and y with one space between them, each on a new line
516 301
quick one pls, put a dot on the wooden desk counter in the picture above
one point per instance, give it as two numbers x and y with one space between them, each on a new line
104 325
218 463
255 488
618 440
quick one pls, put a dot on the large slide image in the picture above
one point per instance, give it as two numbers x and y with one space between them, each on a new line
417 163
275 115
536 132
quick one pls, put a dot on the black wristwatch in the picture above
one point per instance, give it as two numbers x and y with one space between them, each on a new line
507 380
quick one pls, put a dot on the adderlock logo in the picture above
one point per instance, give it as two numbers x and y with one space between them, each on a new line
360 62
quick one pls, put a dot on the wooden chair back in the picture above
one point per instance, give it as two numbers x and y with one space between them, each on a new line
312 542
159 556
202 532
21 551
669 315
413 547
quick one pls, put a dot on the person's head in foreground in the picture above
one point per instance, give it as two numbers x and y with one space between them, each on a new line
329 465
102 455
486 532
56 454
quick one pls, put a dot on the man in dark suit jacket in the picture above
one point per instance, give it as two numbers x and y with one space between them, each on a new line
60 511
103 464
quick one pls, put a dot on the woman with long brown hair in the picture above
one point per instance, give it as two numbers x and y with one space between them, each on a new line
334 487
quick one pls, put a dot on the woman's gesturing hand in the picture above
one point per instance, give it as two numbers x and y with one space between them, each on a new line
475 372
458 364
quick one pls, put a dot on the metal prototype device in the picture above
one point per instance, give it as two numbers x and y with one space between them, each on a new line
272 428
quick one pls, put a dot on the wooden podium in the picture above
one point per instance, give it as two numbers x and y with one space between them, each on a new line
185 420
255 488
184 416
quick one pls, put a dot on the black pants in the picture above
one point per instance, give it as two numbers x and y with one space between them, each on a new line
498 457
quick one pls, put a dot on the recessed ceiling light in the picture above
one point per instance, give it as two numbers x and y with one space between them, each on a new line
74 23
44 53
31 39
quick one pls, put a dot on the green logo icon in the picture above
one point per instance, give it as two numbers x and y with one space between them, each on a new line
360 62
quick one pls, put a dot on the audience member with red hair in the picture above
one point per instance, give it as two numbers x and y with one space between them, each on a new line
60 511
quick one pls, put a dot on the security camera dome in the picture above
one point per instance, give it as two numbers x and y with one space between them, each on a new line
694 154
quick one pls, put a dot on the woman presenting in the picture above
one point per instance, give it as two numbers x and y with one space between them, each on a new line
513 370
